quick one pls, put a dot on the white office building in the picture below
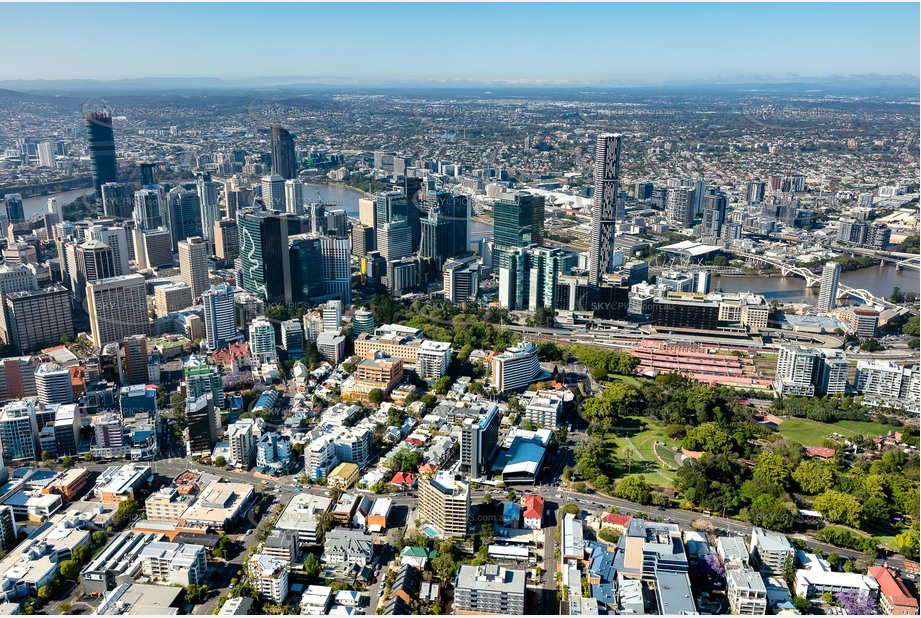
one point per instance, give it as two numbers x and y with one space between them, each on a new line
117 308
515 368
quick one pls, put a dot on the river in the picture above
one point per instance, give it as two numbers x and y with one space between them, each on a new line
878 280
38 205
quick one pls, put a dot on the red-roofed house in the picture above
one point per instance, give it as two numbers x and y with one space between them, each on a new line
428 468
233 357
404 480
616 521
533 511
820 451
414 441
894 597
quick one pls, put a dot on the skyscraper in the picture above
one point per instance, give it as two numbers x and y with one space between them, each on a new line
14 209
148 209
604 207
337 271
455 210
284 159
185 214
193 264
148 173
32 319
714 215
220 318
518 222
226 240
264 258
679 205
436 230
306 257
117 308
210 211
394 239
294 197
101 141
828 288
412 187
273 192
118 200
116 237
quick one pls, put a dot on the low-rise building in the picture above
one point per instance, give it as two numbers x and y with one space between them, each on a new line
118 563
174 563
746 592
769 551
316 600
300 516
489 589
269 576
119 483
343 476
894 597
345 546
219 506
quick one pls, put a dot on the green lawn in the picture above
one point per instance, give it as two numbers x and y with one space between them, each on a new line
813 433
628 380
645 442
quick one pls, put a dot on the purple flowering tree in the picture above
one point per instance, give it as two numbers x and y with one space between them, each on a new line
854 603
711 564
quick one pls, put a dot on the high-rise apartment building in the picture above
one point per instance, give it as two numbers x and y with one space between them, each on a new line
148 209
528 277
220 316
337 271
515 368
19 432
53 384
294 197
461 279
117 308
828 287
604 207
479 441
207 197
193 264
101 143
262 345
714 215
226 240
284 158
444 503
679 205
134 360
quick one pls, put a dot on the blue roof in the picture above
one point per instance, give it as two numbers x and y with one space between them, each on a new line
602 563
604 594
511 511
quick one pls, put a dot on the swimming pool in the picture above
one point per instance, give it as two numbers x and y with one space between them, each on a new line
429 532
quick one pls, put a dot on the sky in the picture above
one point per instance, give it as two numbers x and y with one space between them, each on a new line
525 43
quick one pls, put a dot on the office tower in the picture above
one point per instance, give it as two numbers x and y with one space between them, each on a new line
316 213
412 188
94 261
642 191
367 212
679 205
153 248
714 215
35 319
284 159
148 173
292 338
362 322
332 316
518 222
134 360
273 192
148 209
193 264
262 342
117 308
455 211
604 205
101 142
436 230
394 240
116 238
237 199
755 193
201 431
220 316
18 432
207 197
16 278
515 368
461 279
53 384
294 197
363 238
337 269
17 377
264 259
171 297
479 441
828 287
14 209
226 240
185 214
444 503
118 200
306 257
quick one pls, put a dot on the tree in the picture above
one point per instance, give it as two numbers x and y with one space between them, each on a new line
99 538
838 507
70 569
527 424
376 396
856 604
126 512
45 593
47 457
768 512
712 482
67 462
65 608
771 468
872 345
81 555
195 594
813 477
220 461
634 489
312 567
608 535
908 544
789 571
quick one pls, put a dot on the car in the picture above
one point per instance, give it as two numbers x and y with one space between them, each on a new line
661 508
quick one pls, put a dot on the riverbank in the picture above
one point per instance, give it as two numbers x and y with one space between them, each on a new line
50 188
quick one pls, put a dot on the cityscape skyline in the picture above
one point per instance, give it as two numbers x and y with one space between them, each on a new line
573 54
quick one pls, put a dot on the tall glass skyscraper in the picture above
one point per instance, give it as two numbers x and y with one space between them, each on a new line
828 288
518 222
284 159
604 208
101 141
264 259
306 258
